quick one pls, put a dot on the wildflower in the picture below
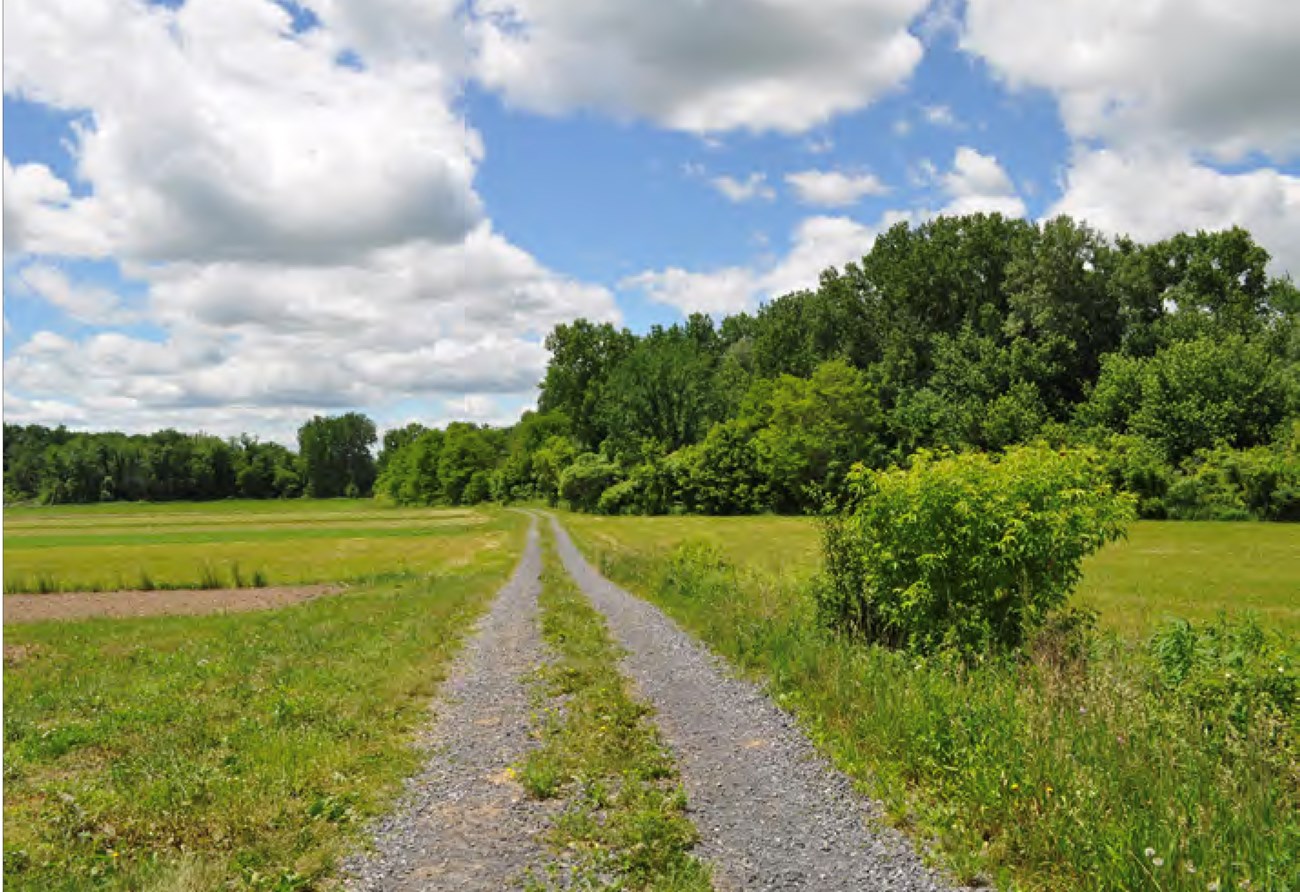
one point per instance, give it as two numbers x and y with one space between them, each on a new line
1149 852
1015 787
1212 886
1158 862
1191 868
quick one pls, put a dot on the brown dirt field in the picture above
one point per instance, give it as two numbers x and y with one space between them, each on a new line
189 602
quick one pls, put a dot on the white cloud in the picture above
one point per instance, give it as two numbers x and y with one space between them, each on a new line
298 208
1151 196
1202 75
753 187
978 183
42 216
940 116
702 67
85 303
216 133
834 188
818 243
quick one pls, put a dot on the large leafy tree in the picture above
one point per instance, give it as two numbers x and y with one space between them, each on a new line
336 455
583 355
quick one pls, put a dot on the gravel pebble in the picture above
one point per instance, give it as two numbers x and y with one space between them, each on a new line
772 813
464 823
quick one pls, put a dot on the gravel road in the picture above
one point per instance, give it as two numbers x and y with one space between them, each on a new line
464 824
772 813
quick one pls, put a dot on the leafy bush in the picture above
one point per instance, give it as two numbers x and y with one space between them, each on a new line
582 482
1228 484
965 551
621 498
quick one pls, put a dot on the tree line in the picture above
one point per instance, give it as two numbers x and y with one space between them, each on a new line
58 466
1178 361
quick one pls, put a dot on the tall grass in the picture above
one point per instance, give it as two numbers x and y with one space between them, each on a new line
1083 765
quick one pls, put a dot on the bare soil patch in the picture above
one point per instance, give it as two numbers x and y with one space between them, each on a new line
187 602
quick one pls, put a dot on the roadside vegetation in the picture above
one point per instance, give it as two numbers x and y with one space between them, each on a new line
623 822
1065 759
240 751
236 544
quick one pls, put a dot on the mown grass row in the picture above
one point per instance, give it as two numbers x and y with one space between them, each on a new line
1088 765
623 823
148 560
239 751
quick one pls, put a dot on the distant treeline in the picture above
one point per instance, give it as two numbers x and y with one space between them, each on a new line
1178 361
58 466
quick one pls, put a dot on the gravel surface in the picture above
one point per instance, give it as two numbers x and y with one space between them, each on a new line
464 823
771 812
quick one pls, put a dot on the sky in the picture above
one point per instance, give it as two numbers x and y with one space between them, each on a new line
231 215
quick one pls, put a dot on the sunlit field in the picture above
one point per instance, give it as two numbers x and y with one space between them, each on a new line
235 543
229 751
1164 569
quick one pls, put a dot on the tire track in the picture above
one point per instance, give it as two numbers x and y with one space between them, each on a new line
772 813
464 823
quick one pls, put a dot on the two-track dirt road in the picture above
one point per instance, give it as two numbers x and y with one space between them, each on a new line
771 813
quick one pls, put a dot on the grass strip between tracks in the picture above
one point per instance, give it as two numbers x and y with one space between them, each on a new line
624 823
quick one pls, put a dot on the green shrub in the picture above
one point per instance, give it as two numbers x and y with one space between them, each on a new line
621 498
582 482
966 551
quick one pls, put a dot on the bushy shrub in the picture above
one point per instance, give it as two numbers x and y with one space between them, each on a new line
1137 465
965 551
621 498
1232 484
582 482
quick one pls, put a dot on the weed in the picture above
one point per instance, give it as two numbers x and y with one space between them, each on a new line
209 578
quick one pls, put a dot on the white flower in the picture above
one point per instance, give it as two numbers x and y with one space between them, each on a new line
1148 851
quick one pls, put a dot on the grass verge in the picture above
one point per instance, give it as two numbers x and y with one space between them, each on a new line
241 751
1170 765
624 824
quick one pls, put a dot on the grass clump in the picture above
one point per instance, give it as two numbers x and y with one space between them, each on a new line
624 824
1079 761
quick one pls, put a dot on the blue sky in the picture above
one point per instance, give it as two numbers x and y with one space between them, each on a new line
229 215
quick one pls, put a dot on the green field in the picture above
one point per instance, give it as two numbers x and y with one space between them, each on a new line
1163 569
1092 767
178 545
231 751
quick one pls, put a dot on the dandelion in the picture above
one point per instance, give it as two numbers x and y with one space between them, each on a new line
1191 868
1212 886
1149 852
1015 787
1158 862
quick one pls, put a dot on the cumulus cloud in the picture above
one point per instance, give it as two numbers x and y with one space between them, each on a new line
42 216
1152 195
84 303
817 243
754 186
834 188
698 67
978 183
1201 75
296 203
217 133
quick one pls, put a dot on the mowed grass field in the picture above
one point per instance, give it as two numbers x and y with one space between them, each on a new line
1164 569
232 543
240 751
